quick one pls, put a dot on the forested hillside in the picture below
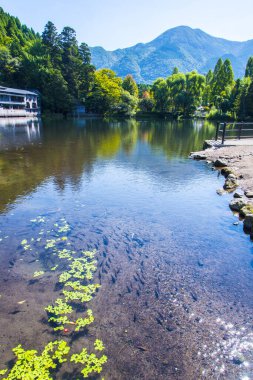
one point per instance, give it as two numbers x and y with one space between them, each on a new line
60 68
53 63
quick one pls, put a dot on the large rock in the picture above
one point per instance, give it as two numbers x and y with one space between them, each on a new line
248 222
237 204
249 194
248 209
198 156
230 184
220 163
226 172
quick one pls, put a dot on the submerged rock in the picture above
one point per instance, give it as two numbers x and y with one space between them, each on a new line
238 359
220 191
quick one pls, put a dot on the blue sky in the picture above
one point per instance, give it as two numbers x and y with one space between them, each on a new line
114 23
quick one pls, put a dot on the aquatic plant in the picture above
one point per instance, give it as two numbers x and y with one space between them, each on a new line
38 273
64 277
99 346
77 289
51 243
61 307
82 322
60 321
65 254
30 365
93 364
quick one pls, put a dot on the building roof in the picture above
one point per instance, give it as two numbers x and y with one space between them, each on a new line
8 90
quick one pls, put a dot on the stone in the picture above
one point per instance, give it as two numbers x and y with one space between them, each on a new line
198 156
249 194
237 204
230 184
200 263
220 163
231 176
220 191
226 172
238 195
248 222
248 209
238 359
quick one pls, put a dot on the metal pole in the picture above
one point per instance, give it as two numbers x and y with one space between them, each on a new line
217 131
224 133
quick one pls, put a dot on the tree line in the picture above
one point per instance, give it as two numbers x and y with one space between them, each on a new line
60 68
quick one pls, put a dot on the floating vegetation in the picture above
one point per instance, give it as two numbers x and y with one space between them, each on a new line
76 292
38 273
30 365
93 363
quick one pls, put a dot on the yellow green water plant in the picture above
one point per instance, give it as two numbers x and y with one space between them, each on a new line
76 290
31 366
93 364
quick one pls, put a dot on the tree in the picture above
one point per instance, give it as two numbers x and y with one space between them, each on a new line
84 52
50 36
130 85
161 95
175 71
249 68
105 95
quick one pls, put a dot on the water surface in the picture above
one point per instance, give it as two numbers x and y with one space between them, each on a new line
176 273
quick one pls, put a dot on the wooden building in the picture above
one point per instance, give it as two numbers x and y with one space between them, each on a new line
18 103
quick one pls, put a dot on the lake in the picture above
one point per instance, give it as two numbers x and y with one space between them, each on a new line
176 272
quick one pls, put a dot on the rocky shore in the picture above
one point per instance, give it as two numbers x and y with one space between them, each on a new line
236 164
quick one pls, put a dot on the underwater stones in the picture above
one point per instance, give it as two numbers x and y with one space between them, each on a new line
238 359
237 204
220 163
220 191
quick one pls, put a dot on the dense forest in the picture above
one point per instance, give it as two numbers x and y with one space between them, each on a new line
60 69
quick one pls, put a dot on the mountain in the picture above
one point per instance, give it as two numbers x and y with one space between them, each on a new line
188 49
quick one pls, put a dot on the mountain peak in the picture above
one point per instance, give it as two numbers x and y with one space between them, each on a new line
182 46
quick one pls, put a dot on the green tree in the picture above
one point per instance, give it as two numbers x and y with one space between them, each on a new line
249 68
105 95
130 85
160 92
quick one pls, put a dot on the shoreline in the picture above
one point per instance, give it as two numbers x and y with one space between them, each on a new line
235 164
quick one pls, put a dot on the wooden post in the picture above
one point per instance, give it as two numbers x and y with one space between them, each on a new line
217 131
240 131
223 133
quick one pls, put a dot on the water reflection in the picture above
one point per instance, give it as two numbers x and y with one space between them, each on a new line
65 150
15 132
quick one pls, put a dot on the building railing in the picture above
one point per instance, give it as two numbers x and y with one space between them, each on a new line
226 131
